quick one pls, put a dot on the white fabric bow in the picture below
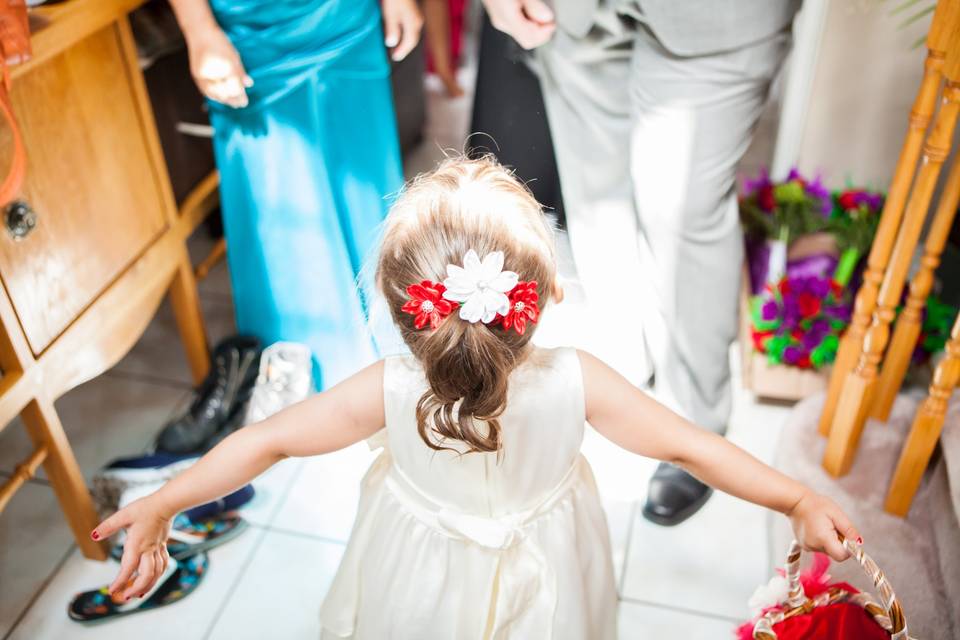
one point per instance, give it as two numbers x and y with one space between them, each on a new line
480 287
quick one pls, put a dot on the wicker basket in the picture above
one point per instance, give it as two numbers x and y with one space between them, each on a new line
889 616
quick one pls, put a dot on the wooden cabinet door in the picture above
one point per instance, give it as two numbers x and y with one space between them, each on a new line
90 179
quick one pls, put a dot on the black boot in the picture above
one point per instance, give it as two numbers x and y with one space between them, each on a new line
218 400
673 496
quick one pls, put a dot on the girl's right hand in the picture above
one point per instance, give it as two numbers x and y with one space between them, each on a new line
216 67
145 549
818 522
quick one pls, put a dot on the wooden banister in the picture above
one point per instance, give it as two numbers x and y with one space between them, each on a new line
946 21
856 394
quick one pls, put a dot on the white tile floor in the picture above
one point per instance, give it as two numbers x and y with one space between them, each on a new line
694 578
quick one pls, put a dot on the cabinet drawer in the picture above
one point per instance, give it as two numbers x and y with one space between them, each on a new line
90 179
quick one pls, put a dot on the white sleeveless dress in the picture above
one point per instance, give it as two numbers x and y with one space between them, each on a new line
468 547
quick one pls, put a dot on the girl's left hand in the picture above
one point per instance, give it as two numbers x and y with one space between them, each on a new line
402 22
817 521
145 556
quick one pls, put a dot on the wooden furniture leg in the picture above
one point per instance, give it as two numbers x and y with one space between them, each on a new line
857 391
907 329
186 310
62 469
946 21
217 253
925 430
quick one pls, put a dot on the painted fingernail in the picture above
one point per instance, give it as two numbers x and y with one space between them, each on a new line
95 535
859 540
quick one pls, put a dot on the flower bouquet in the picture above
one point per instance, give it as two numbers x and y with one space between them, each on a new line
804 250
773 215
798 321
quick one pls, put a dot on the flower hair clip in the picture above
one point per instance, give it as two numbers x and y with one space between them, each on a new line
481 289
427 304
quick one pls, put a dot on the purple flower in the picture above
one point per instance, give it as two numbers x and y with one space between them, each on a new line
819 287
815 190
811 339
792 354
769 310
751 186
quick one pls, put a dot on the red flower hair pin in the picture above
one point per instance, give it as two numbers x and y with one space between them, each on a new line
427 304
523 307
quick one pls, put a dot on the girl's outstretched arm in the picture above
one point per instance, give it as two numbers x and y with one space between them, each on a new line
332 420
635 421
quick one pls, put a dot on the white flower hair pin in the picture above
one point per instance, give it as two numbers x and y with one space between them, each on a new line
480 286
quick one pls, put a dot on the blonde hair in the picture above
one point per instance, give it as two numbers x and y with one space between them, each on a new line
462 205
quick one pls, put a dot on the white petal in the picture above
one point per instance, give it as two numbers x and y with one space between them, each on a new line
472 309
471 263
488 316
453 271
504 282
492 265
460 285
494 300
457 296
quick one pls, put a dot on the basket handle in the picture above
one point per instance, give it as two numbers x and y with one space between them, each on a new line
889 615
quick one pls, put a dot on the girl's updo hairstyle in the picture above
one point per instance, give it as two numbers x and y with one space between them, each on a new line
462 205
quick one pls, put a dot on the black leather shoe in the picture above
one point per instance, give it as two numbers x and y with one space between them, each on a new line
218 400
673 496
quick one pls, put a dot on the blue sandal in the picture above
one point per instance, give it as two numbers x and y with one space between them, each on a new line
177 582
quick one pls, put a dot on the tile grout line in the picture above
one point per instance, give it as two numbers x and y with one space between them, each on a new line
678 609
39 592
265 529
234 586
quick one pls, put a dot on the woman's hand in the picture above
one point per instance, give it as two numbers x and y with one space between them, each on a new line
145 549
817 521
216 67
530 22
401 27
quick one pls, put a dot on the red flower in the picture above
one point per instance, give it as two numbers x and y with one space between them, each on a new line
760 339
765 198
809 304
427 304
848 200
523 306
804 361
785 288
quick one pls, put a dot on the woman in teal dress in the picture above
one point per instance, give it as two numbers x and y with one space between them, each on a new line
306 144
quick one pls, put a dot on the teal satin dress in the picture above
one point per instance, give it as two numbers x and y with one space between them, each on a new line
307 172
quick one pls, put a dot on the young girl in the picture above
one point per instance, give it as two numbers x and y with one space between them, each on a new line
480 519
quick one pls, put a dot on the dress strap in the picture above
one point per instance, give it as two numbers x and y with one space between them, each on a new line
525 583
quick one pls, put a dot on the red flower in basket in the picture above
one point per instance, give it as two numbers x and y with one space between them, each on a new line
523 306
427 304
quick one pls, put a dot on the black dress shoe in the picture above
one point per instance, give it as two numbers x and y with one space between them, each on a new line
673 496
219 401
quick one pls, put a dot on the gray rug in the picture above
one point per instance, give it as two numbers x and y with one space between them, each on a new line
921 554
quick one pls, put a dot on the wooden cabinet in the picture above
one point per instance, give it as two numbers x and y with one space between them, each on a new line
90 180
80 287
